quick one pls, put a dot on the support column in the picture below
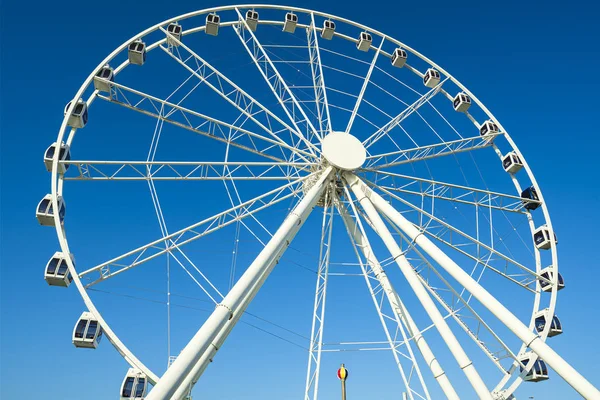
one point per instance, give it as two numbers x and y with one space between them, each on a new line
357 233
413 280
240 295
532 340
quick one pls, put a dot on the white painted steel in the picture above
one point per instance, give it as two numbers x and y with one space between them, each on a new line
343 151
530 339
243 291
358 188
357 234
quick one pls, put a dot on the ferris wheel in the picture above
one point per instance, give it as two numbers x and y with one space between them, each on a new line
262 115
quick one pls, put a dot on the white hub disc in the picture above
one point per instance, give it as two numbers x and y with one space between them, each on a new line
343 151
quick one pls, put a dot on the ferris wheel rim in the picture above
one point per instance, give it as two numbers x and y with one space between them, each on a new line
58 182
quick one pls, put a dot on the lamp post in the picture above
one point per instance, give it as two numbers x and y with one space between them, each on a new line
342 373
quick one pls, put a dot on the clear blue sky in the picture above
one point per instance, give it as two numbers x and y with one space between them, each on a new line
534 64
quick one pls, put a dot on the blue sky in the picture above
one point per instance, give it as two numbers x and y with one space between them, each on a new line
531 63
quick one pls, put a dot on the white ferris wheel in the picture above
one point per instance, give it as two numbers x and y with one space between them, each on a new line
264 115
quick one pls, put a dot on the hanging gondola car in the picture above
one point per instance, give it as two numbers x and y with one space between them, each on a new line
79 116
512 163
57 272
291 20
135 385
212 24
548 275
103 79
489 127
364 41
252 20
542 318
461 102
328 29
541 238
431 78
45 212
537 373
174 36
63 155
136 52
530 194
399 57
87 332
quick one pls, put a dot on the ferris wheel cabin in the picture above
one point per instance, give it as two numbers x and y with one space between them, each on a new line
541 238
530 194
103 79
174 34
87 332
542 318
431 78
537 373
212 24
328 29
364 41
548 275
252 20
136 52
461 102
57 272
79 116
512 163
291 20
489 127
45 212
399 57
135 385
63 155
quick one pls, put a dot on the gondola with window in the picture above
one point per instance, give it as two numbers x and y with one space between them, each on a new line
79 116
64 154
135 385
136 52
213 21
399 57
538 371
542 318
45 211
291 20
174 34
364 41
512 163
87 332
103 79
252 20
488 128
541 238
431 78
328 29
546 278
531 200
57 271
461 102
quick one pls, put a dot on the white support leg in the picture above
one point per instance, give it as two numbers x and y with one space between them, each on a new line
237 298
401 314
358 188
532 340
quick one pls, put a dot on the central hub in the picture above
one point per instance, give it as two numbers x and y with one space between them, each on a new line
343 151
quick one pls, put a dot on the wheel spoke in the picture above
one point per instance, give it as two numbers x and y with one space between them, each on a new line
456 193
193 232
427 152
185 171
364 87
316 68
236 96
397 120
202 124
275 81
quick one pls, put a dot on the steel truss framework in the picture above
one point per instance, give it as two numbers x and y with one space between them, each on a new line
430 250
